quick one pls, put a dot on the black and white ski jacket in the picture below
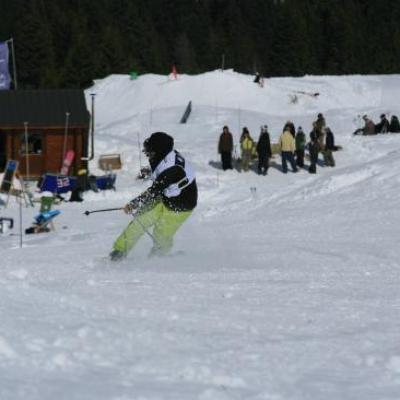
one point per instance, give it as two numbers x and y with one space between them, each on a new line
174 183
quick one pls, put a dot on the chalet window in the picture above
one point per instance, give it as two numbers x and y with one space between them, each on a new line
35 143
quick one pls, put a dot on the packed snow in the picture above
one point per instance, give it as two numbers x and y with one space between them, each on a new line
279 287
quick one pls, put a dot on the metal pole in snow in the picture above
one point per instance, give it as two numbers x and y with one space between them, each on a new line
92 127
65 138
26 151
20 222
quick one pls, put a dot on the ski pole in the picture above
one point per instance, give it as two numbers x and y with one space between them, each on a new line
103 210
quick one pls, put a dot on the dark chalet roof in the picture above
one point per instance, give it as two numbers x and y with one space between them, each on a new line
43 108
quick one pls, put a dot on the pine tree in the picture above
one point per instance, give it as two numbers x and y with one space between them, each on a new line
80 61
34 47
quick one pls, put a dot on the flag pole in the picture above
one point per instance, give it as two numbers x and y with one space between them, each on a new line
11 41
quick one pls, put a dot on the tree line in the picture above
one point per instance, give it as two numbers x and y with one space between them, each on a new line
70 43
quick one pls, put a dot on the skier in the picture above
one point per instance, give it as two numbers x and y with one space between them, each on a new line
225 148
300 145
165 205
264 151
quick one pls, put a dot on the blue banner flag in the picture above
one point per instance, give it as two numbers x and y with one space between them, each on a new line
5 79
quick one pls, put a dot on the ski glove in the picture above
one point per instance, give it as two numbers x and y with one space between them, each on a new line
129 208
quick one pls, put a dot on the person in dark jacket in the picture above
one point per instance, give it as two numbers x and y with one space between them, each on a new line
225 148
329 148
394 126
264 151
165 205
314 135
80 186
313 149
300 146
259 79
383 125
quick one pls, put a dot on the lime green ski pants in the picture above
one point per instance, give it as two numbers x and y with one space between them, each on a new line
165 223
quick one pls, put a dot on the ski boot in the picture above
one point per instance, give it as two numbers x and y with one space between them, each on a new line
117 255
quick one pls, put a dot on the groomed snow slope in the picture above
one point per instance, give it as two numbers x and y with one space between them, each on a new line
286 292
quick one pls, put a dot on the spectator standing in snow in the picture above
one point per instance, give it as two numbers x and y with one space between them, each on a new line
329 148
320 122
225 148
314 133
313 149
288 147
319 127
289 126
245 132
264 151
300 146
383 125
246 146
165 205
394 126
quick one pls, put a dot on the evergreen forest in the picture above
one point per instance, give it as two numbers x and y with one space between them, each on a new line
69 43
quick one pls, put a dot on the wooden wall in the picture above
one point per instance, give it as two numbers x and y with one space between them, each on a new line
51 157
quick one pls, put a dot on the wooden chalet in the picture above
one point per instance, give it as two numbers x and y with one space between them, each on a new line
35 129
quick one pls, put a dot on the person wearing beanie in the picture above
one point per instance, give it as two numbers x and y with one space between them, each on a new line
165 205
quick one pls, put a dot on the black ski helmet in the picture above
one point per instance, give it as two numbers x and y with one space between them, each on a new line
158 145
